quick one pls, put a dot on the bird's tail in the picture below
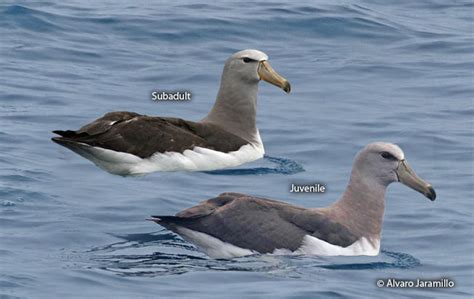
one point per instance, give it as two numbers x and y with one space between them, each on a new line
165 219
67 133
168 222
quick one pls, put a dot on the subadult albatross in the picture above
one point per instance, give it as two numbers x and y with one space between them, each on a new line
128 143
233 224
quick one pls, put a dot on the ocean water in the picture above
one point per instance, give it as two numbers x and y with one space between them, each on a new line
361 71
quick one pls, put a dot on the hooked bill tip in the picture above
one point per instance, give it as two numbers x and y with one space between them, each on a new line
431 194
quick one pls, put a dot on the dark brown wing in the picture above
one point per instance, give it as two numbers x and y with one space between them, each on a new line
143 135
258 224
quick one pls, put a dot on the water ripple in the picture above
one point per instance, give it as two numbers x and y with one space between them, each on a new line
124 258
283 166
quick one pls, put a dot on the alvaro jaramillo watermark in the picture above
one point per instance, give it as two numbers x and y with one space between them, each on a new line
441 283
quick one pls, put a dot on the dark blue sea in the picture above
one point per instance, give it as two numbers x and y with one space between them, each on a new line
361 71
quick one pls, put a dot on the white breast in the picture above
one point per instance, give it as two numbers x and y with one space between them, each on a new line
197 159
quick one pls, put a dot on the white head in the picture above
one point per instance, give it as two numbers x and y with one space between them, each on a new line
385 163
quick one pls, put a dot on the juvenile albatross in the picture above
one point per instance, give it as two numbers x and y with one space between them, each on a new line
127 143
234 224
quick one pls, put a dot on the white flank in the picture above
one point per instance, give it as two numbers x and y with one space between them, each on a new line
211 246
198 159
216 248
315 246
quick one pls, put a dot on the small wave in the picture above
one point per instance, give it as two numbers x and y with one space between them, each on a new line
283 166
16 10
165 254
28 18
401 261
164 238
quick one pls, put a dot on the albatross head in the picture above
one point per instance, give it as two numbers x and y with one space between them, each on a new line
252 66
235 109
385 163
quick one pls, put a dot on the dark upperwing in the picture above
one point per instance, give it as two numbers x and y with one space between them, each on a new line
143 135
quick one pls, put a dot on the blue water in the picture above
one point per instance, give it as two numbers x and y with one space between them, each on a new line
360 71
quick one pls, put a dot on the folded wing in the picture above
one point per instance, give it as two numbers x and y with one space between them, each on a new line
143 135
257 224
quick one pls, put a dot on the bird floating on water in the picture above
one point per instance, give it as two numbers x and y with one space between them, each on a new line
128 143
233 224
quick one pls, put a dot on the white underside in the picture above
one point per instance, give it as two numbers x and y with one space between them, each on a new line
216 248
211 246
197 159
314 246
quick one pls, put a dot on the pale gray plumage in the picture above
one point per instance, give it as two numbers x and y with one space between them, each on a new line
264 226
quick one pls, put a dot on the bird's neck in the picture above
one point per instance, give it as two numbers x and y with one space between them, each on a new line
235 109
361 206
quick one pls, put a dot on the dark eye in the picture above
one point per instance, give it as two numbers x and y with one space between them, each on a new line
247 60
388 156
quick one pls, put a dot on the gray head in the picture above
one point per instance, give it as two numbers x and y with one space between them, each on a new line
385 163
251 66
235 108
